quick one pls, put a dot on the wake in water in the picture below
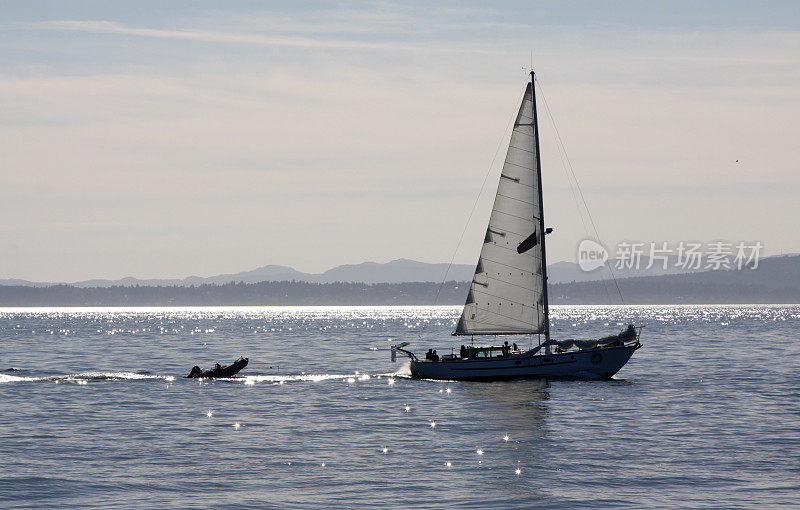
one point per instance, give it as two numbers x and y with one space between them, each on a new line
85 377
303 377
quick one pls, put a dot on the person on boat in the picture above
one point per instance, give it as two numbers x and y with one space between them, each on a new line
217 368
429 354
506 348
463 351
515 346
434 356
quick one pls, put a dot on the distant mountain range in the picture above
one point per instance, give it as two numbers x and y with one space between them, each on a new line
776 280
396 271
565 272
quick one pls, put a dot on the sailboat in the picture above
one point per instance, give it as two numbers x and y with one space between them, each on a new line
508 293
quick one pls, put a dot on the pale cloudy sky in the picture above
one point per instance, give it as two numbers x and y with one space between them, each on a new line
162 139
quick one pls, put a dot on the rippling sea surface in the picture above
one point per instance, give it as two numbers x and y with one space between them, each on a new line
95 412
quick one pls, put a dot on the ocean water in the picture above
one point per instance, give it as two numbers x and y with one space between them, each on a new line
95 413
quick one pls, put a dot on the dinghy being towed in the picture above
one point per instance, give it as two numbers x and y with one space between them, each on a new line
218 371
508 294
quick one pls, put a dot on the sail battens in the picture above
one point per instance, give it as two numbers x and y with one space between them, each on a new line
505 222
496 325
502 296
511 303
521 269
522 193
516 322
517 199
500 280
519 166
512 248
520 305
507 232
529 220
520 327
492 330
520 148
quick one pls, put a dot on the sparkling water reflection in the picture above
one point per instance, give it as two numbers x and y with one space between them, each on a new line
94 412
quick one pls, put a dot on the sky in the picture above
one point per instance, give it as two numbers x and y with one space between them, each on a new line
166 139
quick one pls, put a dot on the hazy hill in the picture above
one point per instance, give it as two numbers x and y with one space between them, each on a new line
564 272
396 271
777 280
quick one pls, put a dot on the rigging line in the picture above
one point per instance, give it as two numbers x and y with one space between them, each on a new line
580 191
474 205
566 173
572 186
562 153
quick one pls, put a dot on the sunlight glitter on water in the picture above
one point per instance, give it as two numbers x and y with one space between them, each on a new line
281 379
557 427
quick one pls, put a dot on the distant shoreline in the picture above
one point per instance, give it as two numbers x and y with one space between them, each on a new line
10 308
283 293
407 282
658 290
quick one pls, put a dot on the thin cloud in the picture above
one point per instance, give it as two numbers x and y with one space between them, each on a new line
190 145
109 27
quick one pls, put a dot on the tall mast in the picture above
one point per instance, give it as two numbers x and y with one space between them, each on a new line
541 209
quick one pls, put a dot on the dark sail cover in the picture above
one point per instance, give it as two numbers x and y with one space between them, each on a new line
527 244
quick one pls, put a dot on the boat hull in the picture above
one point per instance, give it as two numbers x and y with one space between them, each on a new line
228 371
593 363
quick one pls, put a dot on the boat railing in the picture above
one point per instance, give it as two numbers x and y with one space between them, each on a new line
399 347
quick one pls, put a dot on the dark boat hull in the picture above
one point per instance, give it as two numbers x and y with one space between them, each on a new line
593 363
227 371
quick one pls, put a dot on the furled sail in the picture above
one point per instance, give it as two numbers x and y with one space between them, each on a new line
507 294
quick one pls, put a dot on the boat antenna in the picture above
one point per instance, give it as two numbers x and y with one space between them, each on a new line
531 60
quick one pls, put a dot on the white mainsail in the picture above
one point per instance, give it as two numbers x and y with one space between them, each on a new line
507 294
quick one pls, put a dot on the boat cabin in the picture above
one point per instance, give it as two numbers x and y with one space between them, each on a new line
491 351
